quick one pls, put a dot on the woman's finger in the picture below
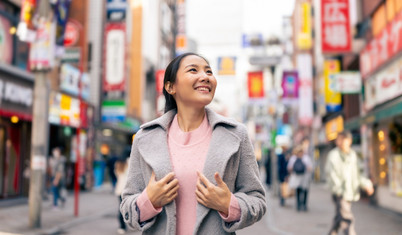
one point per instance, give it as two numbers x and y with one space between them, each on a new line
204 179
200 196
172 191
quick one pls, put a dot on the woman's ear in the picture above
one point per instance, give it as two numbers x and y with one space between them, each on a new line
169 88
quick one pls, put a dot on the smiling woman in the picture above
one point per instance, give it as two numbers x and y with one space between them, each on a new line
192 171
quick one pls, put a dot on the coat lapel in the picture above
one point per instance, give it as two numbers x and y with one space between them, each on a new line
222 146
154 150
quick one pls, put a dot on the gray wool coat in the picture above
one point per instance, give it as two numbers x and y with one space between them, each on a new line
230 154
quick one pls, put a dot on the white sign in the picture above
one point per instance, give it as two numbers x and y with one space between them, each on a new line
347 82
383 86
304 68
38 162
115 57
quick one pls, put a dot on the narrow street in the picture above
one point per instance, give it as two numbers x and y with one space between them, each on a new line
98 211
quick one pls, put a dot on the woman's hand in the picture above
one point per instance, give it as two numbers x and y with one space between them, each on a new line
163 191
211 196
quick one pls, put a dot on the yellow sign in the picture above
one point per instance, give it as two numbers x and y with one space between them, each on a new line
333 127
227 65
332 99
304 38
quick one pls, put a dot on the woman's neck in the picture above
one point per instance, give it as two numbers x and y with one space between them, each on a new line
189 118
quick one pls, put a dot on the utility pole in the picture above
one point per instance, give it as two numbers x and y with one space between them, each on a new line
40 135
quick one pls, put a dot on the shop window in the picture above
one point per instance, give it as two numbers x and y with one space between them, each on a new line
395 158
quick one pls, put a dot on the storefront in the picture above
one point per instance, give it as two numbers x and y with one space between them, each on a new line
69 117
381 128
16 99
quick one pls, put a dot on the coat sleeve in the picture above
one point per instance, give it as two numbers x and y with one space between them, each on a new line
334 181
134 187
249 191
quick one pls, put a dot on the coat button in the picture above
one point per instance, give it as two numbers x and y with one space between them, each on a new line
126 216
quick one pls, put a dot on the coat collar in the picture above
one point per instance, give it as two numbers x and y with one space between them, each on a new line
165 120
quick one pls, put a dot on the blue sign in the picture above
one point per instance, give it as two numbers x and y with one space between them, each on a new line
116 10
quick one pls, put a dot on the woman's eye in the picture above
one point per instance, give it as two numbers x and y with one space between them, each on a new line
193 70
209 72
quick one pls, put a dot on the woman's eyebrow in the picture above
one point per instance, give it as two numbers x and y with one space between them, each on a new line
191 65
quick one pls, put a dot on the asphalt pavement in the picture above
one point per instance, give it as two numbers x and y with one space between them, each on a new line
98 215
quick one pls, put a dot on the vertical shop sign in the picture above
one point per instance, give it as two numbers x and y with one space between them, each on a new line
255 85
114 74
304 37
382 48
181 38
61 14
335 26
72 33
332 98
304 68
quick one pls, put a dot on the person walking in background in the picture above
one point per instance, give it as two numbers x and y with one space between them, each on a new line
283 159
345 181
57 168
121 171
300 167
192 171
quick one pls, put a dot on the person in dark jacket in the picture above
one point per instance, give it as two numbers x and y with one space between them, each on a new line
283 159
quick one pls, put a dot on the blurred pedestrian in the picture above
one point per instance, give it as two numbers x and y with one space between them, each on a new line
345 181
121 171
57 168
300 167
166 192
283 158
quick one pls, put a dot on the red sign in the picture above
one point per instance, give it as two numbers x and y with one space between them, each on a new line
71 34
255 85
114 75
382 48
160 74
335 26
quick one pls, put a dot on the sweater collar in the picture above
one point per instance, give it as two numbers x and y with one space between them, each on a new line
165 120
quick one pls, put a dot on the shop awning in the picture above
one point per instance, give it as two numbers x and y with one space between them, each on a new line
382 112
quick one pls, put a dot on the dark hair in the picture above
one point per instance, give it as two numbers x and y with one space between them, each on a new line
345 134
170 76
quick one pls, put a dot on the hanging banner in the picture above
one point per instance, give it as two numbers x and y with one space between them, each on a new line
305 71
6 41
382 48
70 79
333 99
115 57
304 37
160 74
335 26
255 85
181 38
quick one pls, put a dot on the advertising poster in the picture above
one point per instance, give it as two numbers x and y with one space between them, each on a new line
333 99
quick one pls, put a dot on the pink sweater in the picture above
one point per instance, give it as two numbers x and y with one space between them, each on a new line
188 151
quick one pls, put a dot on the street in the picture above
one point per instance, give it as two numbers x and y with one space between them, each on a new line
98 215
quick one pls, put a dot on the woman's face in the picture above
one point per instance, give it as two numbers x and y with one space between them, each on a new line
195 83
